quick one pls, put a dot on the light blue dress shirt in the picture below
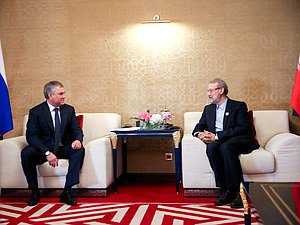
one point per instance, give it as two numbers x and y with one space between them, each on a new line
220 111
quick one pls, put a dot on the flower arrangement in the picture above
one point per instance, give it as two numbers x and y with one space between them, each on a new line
147 120
167 115
156 119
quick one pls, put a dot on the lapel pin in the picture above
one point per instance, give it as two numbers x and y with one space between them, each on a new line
227 114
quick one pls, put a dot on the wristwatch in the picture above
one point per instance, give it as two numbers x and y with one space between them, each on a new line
47 153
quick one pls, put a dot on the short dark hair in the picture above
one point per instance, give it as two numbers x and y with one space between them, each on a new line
221 84
50 87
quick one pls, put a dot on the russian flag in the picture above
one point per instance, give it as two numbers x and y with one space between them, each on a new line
6 123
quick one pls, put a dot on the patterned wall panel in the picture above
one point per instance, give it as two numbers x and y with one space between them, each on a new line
110 62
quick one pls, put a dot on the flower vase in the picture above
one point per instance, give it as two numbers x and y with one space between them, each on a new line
144 125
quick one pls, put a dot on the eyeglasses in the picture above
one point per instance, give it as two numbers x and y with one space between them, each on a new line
212 90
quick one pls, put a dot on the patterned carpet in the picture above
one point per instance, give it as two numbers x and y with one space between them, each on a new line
123 213
145 203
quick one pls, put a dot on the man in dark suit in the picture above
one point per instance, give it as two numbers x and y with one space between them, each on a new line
53 133
224 127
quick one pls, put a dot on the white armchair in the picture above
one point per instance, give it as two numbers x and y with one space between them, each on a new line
277 159
97 169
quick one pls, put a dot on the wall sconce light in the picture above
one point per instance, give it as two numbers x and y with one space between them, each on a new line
156 19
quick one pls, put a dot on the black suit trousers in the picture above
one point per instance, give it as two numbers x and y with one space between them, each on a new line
224 160
31 157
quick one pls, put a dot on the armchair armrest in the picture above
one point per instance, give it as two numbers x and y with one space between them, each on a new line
196 171
286 150
10 161
18 142
97 169
194 154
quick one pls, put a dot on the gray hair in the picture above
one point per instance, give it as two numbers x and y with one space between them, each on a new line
221 84
50 87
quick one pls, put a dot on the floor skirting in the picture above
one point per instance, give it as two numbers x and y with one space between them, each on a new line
54 192
201 192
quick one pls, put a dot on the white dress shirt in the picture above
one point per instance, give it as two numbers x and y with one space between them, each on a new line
51 108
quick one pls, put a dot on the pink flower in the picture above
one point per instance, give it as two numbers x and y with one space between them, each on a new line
145 116
167 115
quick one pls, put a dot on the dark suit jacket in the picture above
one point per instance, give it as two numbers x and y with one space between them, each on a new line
40 129
236 121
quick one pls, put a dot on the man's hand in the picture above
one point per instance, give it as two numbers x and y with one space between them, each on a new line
206 136
76 144
52 159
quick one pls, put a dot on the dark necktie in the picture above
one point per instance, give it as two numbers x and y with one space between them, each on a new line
57 132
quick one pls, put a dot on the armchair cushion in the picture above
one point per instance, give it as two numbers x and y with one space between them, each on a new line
80 120
258 162
45 170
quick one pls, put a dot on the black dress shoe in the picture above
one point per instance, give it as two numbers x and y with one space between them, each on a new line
237 203
65 197
226 198
35 198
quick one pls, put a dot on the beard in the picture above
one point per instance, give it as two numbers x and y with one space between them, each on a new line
215 100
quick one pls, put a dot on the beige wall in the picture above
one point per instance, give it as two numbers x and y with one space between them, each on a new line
99 50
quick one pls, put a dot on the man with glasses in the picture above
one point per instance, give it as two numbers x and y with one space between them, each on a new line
224 127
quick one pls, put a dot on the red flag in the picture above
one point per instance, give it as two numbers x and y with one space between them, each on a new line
295 101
